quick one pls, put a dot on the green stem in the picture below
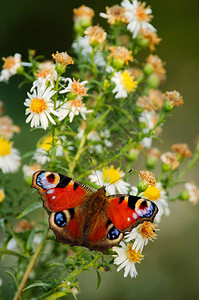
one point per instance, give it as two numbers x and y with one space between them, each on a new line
72 275
93 67
78 154
30 267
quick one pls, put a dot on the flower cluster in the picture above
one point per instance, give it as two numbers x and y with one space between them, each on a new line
111 108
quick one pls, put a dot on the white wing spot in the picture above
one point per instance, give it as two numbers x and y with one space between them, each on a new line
135 216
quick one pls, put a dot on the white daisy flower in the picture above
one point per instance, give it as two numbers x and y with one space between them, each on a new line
193 192
73 108
109 175
9 157
138 16
10 66
41 155
82 46
40 106
47 68
127 258
147 117
124 84
75 87
141 234
96 137
158 195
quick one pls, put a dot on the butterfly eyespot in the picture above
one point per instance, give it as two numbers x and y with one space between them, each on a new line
113 233
60 219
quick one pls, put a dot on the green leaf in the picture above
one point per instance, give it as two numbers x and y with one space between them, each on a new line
10 252
98 279
30 239
41 284
13 277
29 209
56 295
56 264
98 121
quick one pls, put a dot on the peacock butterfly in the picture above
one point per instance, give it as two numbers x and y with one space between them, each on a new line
79 216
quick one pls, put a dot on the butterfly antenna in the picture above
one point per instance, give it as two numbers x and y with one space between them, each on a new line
120 177
95 171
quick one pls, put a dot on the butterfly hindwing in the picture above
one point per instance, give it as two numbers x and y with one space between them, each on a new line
59 192
127 211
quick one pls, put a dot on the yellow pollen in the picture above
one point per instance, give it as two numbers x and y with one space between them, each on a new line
152 193
132 255
63 58
38 105
121 53
2 195
147 230
141 13
5 147
44 73
128 81
9 62
111 174
46 143
78 89
76 103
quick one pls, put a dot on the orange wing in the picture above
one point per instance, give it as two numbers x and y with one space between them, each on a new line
126 211
59 192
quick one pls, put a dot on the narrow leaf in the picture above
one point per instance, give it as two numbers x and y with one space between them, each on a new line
98 279
30 239
41 284
13 277
10 252
29 209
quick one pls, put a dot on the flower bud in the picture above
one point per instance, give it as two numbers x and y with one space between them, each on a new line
168 106
20 70
153 81
151 162
133 155
138 110
148 69
142 186
142 42
184 195
165 167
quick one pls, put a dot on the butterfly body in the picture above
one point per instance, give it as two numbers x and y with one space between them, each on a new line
79 216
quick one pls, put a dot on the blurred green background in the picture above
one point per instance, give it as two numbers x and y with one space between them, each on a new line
171 266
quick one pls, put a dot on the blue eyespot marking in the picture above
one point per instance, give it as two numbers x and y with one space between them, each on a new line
60 219
113 233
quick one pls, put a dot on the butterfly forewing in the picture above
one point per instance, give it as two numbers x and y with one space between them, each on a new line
126 211
59 192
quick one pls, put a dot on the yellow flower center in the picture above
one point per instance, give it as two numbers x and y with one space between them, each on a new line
128 81
147 230
38 105
44 73
141 13
5 147
111 174
46 143
2 195
77 88
9 62
76 103
132 255
152 193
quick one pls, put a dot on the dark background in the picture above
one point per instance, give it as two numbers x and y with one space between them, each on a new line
171 266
